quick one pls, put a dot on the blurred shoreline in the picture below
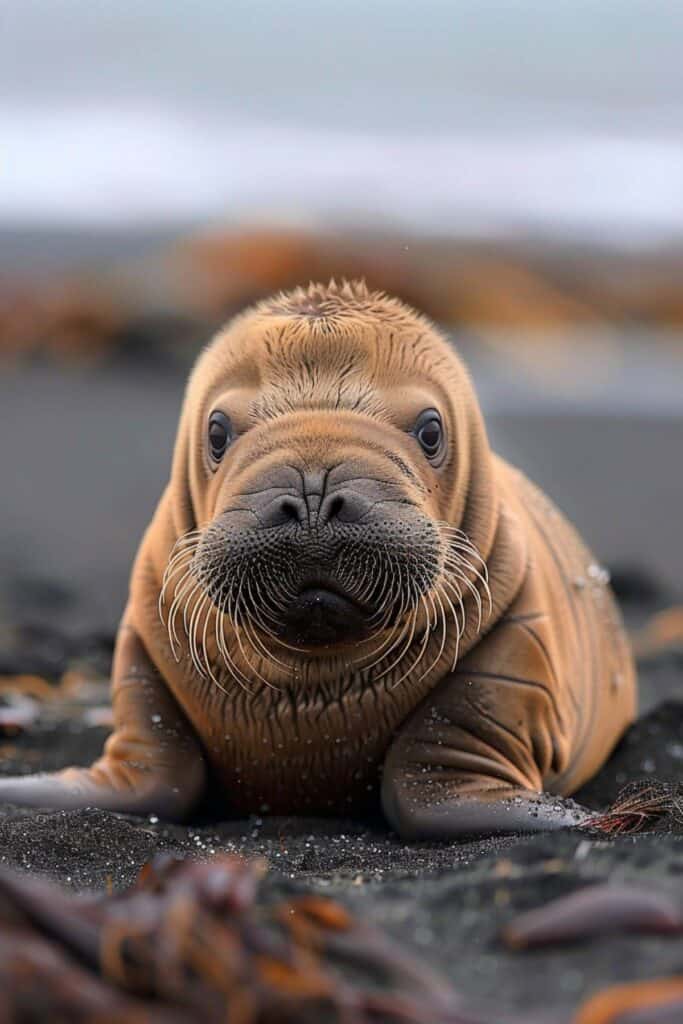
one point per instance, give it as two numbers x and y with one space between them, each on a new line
151 292
144 165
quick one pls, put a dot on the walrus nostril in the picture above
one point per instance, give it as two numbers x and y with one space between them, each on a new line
333 507
346 506
315 508
310 509
291 509
283 511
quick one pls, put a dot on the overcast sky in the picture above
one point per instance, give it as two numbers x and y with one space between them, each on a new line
162 108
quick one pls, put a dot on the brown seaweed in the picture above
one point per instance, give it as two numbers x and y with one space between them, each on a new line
197 940
597 910
640 807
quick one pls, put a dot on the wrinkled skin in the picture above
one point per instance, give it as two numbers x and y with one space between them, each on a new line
325 631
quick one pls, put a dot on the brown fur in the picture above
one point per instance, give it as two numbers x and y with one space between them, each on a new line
335 376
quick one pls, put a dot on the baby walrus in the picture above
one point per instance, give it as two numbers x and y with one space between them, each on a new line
343 591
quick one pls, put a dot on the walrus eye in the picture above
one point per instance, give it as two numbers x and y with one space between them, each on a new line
220 432
429 433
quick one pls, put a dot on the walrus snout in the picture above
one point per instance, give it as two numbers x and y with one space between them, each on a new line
318 556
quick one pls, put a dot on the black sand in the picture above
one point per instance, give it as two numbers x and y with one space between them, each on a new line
447 901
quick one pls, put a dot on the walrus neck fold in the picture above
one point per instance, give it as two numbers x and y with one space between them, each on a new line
488 521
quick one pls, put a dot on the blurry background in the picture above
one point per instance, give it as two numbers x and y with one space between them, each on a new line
513 168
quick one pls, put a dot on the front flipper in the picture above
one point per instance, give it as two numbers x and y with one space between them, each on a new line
152 763
472 805
473 757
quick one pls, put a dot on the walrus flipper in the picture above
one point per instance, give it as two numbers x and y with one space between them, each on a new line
477 754
426 797
473 805
151 763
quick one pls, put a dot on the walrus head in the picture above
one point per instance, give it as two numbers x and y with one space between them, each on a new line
329 474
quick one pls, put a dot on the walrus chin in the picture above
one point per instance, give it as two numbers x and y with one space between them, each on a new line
321 616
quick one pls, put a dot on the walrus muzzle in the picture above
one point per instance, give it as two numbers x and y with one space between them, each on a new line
318 557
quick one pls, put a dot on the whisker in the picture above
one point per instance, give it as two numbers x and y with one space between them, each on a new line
188 581
234 671
237 624
423 647
443 638
456 571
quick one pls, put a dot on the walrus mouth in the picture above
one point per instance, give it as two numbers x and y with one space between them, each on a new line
321 616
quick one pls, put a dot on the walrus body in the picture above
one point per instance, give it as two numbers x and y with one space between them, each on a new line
355 593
